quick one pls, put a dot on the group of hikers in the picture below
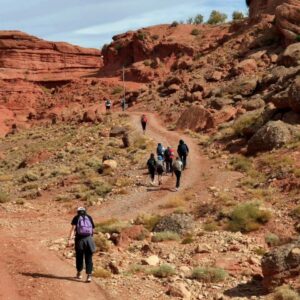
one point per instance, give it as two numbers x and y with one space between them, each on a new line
108 104
165 162
82 226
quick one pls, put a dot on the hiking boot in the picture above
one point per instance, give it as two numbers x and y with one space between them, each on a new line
78 275
89 278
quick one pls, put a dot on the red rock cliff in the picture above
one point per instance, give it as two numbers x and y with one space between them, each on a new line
26 57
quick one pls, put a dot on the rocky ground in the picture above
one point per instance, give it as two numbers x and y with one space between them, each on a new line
231 91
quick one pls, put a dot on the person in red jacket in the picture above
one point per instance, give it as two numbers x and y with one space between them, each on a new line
144 122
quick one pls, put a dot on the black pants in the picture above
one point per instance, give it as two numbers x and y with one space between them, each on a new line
144 125
178 177
169 163
183 159
152 174
83 252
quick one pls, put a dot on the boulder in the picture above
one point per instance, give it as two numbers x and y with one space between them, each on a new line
247 66
179 290
173 88
281 263
172 80
179 223
219 103
152 260
273 135
196 118
89 116
244 86
117 131
253 104
291 56
110 164
294 95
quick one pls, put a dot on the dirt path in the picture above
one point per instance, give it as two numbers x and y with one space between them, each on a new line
150 199
29 270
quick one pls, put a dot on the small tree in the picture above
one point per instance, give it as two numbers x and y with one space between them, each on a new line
216 17
198 19
190 21
237 15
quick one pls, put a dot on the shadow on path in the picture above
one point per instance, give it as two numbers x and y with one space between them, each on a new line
50 276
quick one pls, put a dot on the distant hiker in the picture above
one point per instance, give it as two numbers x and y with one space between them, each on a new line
183 152
123 104
160 169
169 156
108 105
144 122
151 164
83 228
177 169
160 150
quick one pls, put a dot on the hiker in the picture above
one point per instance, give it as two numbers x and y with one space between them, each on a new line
151 164
183 152
83 228
108 105
169 156
123 104
160 169
160 150
144 122
177 169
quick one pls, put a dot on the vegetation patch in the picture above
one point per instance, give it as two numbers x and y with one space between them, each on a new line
209 274
111 226
195 32
4 197
165 236
102 243
162 271
148 221
272 239
101 273
247 217
284 293
240 163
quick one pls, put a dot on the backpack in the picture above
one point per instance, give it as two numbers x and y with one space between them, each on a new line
182 149
171 151
84 226
151 164
177 165
160 150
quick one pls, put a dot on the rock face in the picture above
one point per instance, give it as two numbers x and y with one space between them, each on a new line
258 7
282 262
23 56
288 20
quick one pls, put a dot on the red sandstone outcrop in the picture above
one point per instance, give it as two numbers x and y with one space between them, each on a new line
23 56
288 20
259 7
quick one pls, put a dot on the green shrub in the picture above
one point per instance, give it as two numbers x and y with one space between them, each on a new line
298 38
101 273
165 236
135 268
141 36
198 19
241 163
209 274
100 187
247 217
117 90
189 239
29 176
237 15
3 197
118 47
148 221
155 37
174 24
102 243
61 171
246 121
162 271
210 226
272 239
284 293
195 32
111 226
216 17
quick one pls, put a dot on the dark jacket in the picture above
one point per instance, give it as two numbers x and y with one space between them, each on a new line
151 164
182 149
85 243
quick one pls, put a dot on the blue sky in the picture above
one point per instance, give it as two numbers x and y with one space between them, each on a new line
91 23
